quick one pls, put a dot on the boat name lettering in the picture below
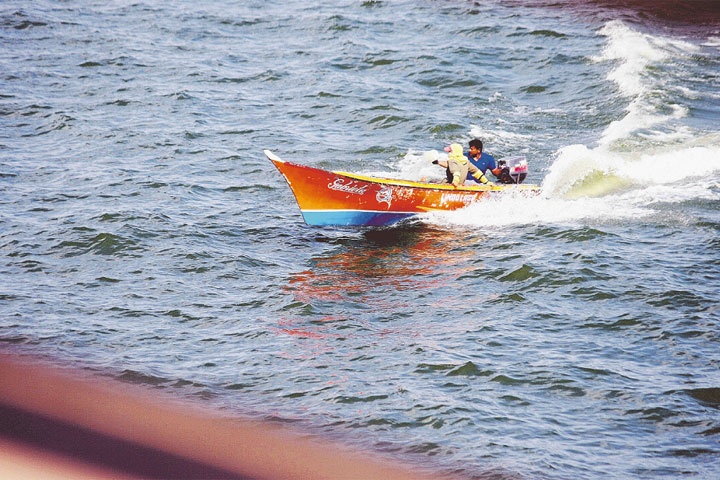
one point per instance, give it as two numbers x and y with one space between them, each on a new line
349 186
457 197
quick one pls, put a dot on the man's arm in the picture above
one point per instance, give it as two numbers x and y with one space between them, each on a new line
476 173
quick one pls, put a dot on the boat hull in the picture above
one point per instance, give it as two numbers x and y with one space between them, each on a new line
341 198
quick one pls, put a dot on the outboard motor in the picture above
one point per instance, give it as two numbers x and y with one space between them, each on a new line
513 170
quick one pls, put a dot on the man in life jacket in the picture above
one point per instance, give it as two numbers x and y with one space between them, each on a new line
458 167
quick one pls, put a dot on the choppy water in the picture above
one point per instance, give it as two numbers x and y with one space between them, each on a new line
575 335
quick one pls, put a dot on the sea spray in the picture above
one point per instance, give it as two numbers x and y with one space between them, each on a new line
646 146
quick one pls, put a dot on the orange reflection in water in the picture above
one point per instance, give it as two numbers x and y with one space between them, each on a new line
387 261
383 271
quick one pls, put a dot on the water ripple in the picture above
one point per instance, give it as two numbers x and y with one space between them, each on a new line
147 238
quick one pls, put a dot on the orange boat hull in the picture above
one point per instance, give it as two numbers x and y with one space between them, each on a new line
341 198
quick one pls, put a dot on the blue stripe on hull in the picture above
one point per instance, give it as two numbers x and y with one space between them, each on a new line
353 217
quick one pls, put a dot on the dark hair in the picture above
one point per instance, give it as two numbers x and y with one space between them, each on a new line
477 143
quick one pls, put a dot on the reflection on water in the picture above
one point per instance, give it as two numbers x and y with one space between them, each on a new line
383 262
372 278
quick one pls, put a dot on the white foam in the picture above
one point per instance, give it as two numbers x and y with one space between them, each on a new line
495 97
604 171
640 116
515 210
634 52
573 164
649 145
712 42
417 165
666 167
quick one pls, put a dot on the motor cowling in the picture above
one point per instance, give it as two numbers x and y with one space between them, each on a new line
512 170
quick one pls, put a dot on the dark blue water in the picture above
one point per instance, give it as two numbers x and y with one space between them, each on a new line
145 237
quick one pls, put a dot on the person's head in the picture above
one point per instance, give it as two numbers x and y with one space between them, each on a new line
455 152
476 147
